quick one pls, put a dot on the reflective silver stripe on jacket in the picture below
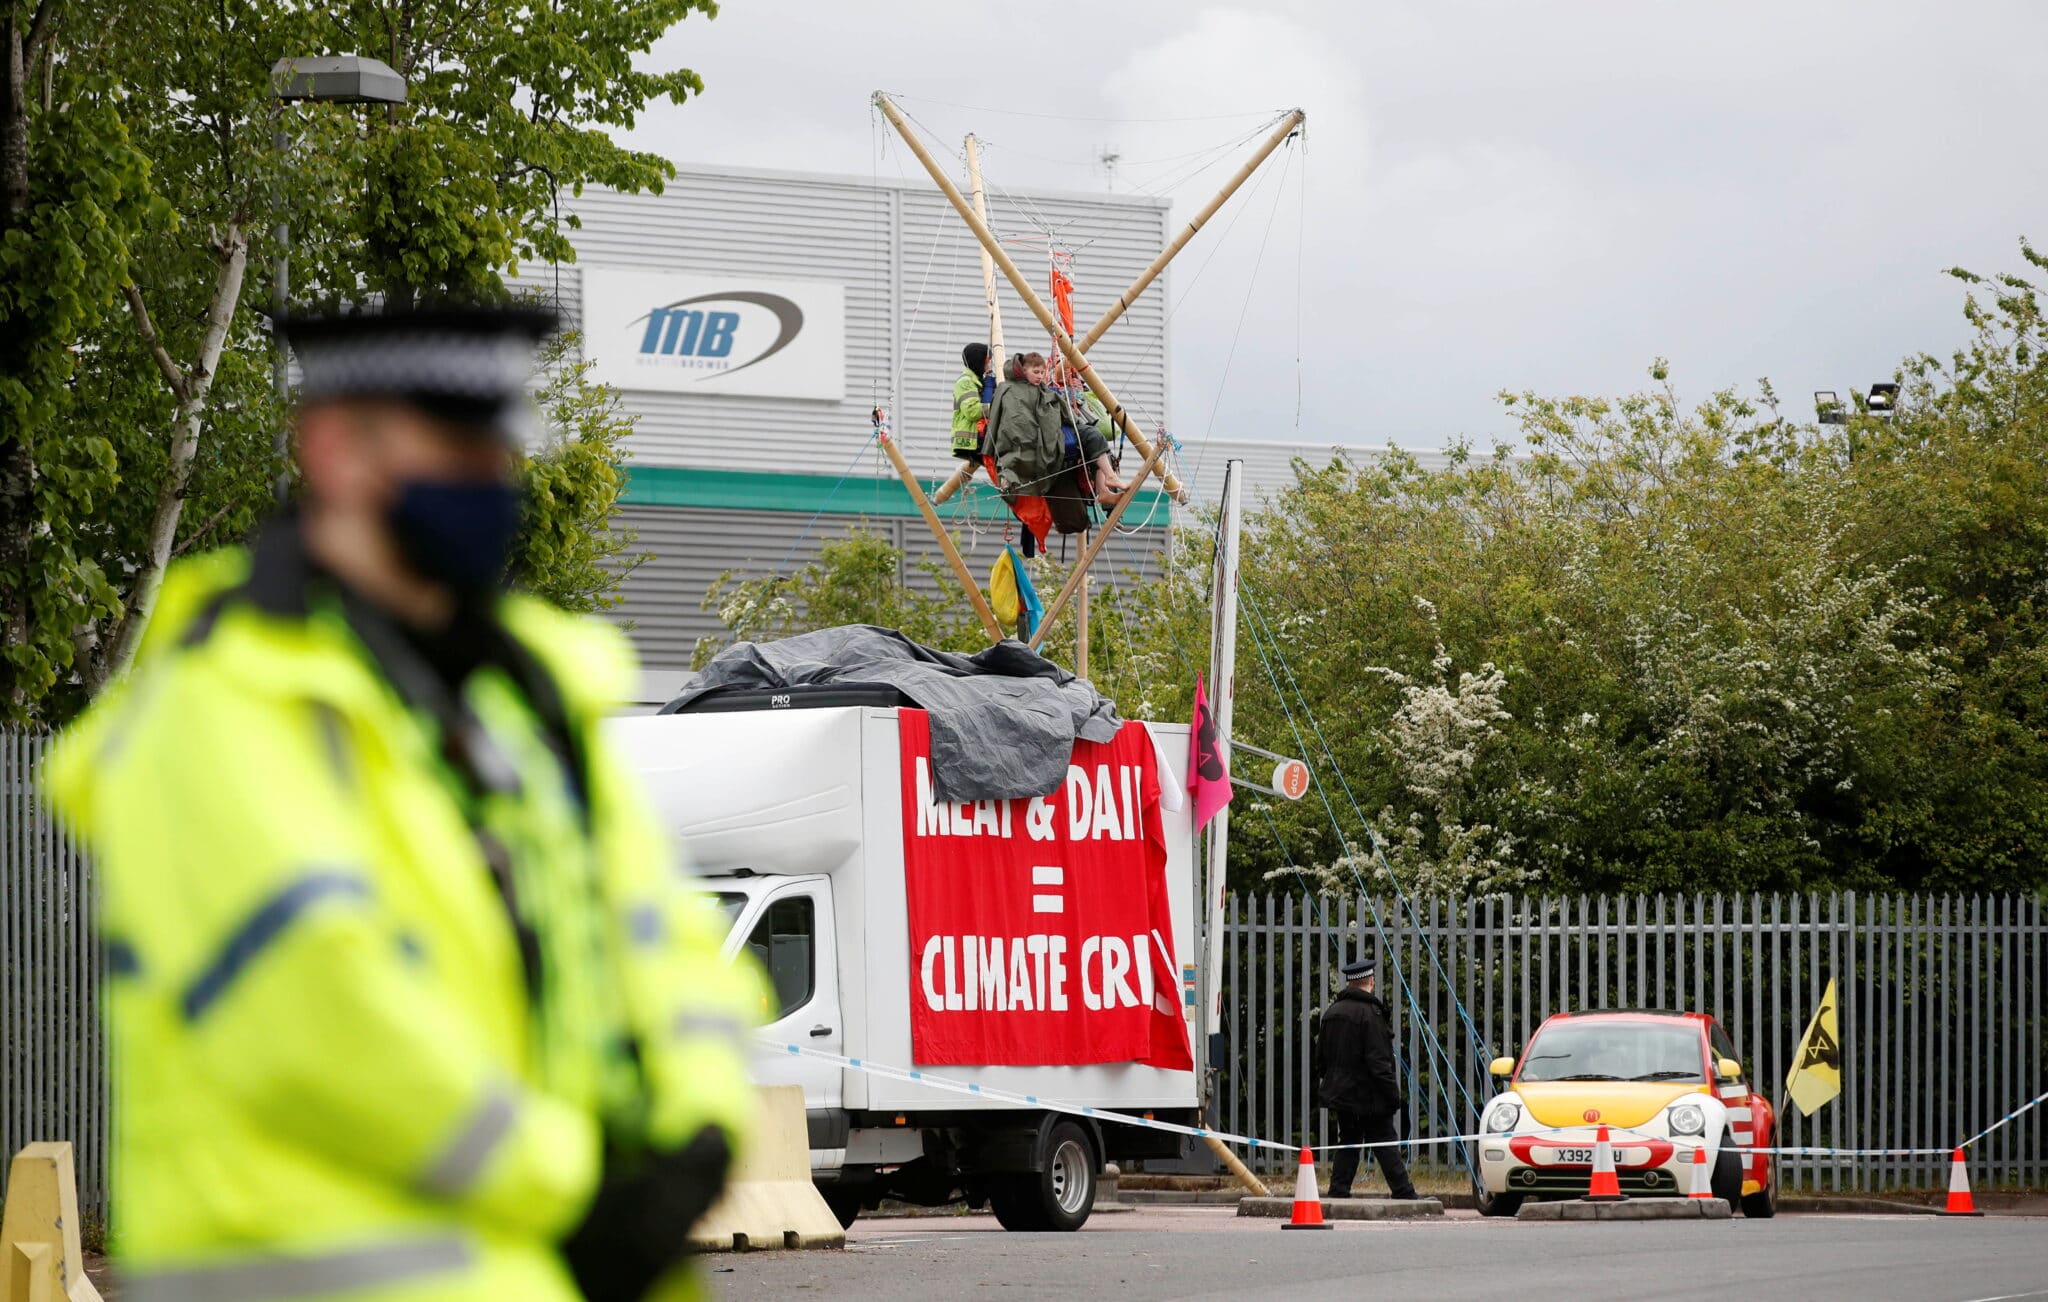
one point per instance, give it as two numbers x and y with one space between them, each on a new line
257 1279
458 1166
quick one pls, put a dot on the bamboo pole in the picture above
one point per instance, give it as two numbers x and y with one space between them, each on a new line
1081 627
931 517
988 265
955 482
1280 133
1230 1160
1024 290
958 479
1066 592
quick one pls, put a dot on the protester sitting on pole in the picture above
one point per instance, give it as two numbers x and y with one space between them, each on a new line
972 393
1029 441
1356 1046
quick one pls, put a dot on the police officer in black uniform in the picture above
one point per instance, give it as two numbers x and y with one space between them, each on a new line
1358 1086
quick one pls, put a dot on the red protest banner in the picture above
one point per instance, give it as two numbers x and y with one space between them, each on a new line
1039 929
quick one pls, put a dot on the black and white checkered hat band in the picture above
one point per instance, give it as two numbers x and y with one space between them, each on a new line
483 368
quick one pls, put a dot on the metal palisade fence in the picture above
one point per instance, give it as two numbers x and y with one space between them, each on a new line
53 1052
1941 1019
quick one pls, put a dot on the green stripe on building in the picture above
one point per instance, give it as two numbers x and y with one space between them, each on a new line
752 490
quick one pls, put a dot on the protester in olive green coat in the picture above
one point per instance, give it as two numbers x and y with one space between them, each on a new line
1024 430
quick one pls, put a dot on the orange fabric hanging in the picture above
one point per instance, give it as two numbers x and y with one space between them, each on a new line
1031 512
1063 299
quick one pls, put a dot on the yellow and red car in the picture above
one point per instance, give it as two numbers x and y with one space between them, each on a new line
1663 1083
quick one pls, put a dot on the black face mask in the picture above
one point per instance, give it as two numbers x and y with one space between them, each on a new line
456 532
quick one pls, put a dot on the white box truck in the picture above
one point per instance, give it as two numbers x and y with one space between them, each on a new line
793 806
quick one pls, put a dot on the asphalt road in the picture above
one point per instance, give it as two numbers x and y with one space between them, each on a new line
1210 1253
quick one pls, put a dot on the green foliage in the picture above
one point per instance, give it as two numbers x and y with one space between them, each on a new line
1733 653
857 579
63 244
160 161
568 550
507 106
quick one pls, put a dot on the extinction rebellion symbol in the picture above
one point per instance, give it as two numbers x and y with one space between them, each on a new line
1821 1049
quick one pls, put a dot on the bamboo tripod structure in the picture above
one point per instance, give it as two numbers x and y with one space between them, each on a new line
975 214
1288 126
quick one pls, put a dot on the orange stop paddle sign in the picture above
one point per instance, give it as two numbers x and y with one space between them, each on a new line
1290 778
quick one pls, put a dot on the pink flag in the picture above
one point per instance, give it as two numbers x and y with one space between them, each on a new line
1208 774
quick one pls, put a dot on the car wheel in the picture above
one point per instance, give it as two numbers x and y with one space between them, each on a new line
1058 1198
1727 1179
1498 1204
1763 1204
845 1204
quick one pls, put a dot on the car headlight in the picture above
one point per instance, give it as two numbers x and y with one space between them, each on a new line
1686 1119
1503 1117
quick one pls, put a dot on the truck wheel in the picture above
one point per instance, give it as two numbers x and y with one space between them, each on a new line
1057 1198
845 1204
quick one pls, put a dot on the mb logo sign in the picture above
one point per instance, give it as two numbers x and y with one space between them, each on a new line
714 335
678 331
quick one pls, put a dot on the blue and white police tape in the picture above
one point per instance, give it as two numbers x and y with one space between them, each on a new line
1616 1134
2005 1120
978 1090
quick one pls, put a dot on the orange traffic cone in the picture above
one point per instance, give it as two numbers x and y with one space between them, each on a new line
1605 1186
1701 1182
1308 1200
1959 1201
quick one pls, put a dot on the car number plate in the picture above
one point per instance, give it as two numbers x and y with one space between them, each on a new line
1574 1156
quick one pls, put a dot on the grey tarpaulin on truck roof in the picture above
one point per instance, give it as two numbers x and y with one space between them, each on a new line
1003 721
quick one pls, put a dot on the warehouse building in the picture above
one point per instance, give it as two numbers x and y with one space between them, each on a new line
754 320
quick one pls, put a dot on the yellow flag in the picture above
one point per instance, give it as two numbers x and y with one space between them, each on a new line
1816 1074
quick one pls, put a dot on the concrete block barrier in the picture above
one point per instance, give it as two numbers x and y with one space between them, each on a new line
770 1201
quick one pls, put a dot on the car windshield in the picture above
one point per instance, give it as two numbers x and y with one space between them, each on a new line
1614 1050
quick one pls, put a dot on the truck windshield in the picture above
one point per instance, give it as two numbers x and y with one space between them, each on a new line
729 905
1613 1050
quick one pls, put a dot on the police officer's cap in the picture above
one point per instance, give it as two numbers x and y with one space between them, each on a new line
1358 969
468 365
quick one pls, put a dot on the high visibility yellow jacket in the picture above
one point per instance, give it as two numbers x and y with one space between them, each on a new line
334 1077
967 413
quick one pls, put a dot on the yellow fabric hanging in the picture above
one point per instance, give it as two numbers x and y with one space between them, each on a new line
1002 590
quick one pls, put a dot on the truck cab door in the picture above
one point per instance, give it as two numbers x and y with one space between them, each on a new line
792 938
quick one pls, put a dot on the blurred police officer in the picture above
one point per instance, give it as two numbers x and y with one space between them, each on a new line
1358 1086
409 997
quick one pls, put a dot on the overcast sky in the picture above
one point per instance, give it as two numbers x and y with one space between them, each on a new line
1492 195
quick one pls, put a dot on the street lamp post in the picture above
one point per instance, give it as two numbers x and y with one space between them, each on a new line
342 79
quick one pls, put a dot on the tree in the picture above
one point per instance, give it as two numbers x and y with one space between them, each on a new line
73 192
163 192
857 579
507 106
568 550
